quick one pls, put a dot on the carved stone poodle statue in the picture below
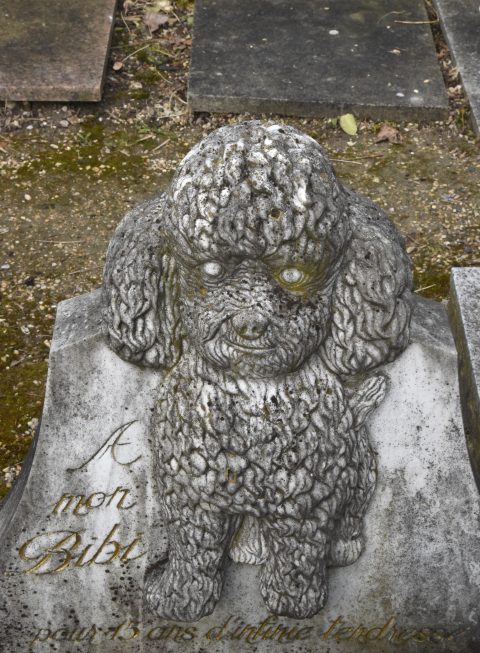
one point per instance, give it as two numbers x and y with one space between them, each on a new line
269 294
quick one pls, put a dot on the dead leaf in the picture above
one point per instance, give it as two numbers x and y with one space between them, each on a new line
153 20
348 124
127 5
162 5
389 134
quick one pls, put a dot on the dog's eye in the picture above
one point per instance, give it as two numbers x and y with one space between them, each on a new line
212 269
291 276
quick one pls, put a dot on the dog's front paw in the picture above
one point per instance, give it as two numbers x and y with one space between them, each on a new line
180 593
292 591
345 552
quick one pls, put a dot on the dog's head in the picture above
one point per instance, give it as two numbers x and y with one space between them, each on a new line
257 257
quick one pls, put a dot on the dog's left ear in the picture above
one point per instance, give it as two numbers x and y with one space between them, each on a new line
372 300
140 290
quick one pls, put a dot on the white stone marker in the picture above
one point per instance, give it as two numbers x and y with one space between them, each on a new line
79 528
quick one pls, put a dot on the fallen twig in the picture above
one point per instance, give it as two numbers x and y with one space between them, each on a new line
346 161
125 22
390 13
19 361
59 242
155 149
167 54
417 22
140 140
97 267
425 288
357 160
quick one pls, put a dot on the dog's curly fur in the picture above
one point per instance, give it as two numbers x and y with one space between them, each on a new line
269 293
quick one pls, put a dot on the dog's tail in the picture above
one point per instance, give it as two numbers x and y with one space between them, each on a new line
365 398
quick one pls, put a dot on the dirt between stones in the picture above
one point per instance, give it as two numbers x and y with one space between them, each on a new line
68 173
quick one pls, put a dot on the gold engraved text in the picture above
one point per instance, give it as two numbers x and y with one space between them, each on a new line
111 445
271 629
55 552
340 630
66 635
81 504
133 629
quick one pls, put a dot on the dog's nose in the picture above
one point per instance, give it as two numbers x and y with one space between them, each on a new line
250 325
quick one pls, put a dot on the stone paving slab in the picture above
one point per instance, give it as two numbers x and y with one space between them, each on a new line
55 49
316 57
460 21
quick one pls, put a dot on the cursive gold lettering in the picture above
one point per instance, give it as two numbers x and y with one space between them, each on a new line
65 635
126 631
54 552
234 628
343 633
41 636
379 633
125 493
333 625
81 504
173 633
61 551
217 631
125 556
339 630
108 541
111 445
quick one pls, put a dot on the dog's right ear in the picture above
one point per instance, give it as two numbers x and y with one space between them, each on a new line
140 290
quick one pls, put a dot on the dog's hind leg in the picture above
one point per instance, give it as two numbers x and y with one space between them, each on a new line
347 542
188 586
293 580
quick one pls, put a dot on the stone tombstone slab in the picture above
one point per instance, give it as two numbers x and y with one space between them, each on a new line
460 22
316 58
112 539
55 50
464 312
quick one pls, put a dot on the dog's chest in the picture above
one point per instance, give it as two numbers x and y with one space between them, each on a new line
247 443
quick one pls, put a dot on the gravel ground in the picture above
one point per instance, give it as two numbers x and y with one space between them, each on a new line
69 172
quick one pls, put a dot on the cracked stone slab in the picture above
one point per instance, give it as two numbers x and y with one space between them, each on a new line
313 58
464 309
55 50
80 526
460 21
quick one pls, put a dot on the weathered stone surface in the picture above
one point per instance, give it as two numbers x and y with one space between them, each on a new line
415 586
272 295
55 50
460 22
313 58
464 309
